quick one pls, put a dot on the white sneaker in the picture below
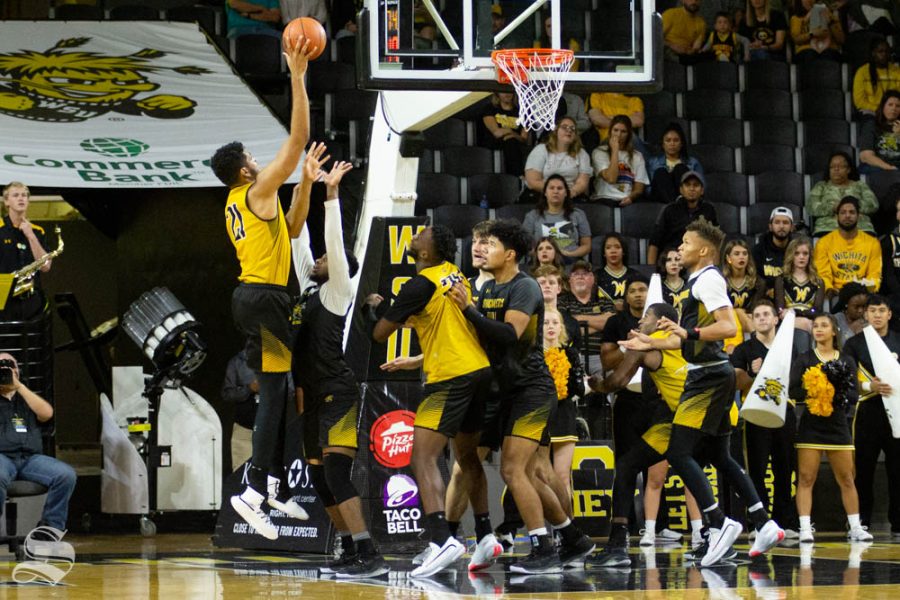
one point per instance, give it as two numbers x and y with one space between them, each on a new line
248 505
860 534
720 541
648 538
486 552
766 538
440 558
696 539
791 534
422 556
667 535
290 508
806 535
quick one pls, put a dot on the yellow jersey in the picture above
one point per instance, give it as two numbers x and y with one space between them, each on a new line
671 374
263 247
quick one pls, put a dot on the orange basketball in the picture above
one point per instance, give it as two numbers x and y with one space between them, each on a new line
303 28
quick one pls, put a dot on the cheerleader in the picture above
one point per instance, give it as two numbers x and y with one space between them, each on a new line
800 286
564 363
614 270
825 380
674 287
744 286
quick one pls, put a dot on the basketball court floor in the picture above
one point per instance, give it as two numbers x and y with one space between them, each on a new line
172 566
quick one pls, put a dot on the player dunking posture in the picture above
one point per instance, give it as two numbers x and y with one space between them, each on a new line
457 384
260 305
509 320
701 422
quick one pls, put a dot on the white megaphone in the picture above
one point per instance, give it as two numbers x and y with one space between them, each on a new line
766 402
654 296
887 369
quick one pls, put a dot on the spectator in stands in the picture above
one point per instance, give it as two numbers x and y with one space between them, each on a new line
585 304
766 29
546 41
562 154
573 106
850 310
555 216
547 253
603 107
614 270
743 286
875 78
260 17
674 287
294 9
553 283
343 17
619 167
879 139
501 131
799 286
890 269
848 254
675 217
723 44
683 32
816 32
878 16
768 254
21 449
665 169
841 179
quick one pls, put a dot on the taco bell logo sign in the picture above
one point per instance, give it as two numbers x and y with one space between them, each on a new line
401 505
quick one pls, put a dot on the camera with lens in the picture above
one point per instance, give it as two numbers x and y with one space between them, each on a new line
6 371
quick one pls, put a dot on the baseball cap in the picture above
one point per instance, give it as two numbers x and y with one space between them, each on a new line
693 175
580 265
496 9
781 211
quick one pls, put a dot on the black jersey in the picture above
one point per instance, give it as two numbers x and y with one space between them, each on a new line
521 364
319 351
746 295
799 296
674 296
612 285
706 294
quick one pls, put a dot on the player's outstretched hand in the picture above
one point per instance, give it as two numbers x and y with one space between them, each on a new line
671 326
458 294
297 58
639 342
333 178
312 164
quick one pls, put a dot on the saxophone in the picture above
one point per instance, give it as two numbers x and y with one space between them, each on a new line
24 277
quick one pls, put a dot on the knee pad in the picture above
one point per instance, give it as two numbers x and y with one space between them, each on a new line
317 476
337 474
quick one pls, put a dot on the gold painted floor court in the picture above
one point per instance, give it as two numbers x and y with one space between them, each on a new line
171 566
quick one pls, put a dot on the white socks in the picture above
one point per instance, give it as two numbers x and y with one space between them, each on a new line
853 520
697 525
650 526
805 522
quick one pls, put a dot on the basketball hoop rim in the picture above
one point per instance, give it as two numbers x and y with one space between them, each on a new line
527 56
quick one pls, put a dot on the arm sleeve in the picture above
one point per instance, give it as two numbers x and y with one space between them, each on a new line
816 203
537 158
525 296
584 163
581 224
413 297
711 290
739 358
868 202
336 293
303 258
496 332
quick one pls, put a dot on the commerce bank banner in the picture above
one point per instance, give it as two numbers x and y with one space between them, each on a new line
121 104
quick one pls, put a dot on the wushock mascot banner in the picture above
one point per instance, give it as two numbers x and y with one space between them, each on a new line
121 104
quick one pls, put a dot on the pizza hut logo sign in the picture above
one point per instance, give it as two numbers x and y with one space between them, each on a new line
391 438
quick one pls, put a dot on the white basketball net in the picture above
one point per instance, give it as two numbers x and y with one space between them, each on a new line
538 77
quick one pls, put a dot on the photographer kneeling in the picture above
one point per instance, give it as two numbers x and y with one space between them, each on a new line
21 412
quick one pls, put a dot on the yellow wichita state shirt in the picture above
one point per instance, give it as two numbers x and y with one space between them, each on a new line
449 343
671 374
263 247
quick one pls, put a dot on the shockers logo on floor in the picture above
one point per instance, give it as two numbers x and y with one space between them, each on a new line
401 505
391 438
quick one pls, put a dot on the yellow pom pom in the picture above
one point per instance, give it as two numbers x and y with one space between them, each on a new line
819 392
559 366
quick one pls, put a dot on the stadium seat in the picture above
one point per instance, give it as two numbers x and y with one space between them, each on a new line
881 182
759 158
133 12
460 218
449 132
822 104
654 127
513 211
205 16
716 75
729 218
722 132
674 77
856 49
258 59
464 256
638 219
767 75
466 160
708 103
820 75
758 215
78 12
426 162
815 156
354 105
601 218
727 188
779 187
660 104
498 188
766 104
714 158
826 131
773 131
436 189
346 49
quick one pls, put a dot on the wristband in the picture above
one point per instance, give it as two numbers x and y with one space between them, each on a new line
693 334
